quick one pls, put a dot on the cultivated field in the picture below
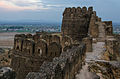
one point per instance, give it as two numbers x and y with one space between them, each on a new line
7 39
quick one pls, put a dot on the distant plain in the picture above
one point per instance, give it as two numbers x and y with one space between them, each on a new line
7 39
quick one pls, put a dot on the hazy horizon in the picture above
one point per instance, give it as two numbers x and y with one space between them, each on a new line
51 10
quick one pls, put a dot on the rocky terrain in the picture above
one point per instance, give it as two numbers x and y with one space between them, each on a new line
7 73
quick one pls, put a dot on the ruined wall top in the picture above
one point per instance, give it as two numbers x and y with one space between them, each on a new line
76 21
41 45
59 64
108 23
78 10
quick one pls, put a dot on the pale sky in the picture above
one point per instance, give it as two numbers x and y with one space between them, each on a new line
51 10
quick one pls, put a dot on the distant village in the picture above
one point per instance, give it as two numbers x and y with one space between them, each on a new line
116 29
30 28
41 27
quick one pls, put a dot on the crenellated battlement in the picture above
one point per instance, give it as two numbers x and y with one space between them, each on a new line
76 22
77 11
63 67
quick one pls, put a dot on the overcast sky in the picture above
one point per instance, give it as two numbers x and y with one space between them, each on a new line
51 10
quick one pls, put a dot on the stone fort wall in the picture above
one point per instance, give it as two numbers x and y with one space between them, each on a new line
63 67
30 51
63 52
76 21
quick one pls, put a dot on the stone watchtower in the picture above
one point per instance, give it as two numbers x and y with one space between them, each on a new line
76 21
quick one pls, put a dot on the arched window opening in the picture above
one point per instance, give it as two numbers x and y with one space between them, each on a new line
17 48
39 52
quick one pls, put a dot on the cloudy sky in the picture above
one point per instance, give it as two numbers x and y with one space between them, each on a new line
51 10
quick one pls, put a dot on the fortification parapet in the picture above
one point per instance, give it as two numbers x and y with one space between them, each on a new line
84 10
90 9
99 19
112 46
67 12
93 27
63 67
29 36
108 23
94 13
73 10
108 28
76 25
78 10
88 42
20 36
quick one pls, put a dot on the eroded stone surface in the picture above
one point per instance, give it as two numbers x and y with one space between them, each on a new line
7 73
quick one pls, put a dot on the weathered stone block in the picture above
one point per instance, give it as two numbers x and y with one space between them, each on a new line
41 48
54 50
88 42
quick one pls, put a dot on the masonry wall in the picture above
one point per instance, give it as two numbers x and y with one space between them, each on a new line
108 28
93 27
30 51
88 42
62 52
113 46
63 67
76 21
